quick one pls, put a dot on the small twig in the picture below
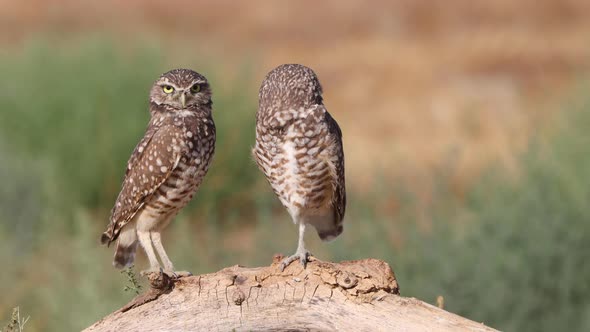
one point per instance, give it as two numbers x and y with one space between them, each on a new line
16 323
160 283
132 279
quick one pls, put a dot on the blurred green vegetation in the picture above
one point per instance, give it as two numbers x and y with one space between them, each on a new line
519 260
512 254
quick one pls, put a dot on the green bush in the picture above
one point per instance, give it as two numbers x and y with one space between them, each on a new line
521 261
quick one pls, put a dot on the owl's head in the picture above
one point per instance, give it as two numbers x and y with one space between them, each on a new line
290 86
181 89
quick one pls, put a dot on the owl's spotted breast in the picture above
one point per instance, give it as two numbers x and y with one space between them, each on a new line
180 186
302 159
166 168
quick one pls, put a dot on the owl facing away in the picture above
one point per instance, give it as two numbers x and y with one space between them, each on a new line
165 169
299 150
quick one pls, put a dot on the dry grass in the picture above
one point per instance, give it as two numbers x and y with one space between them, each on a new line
416 85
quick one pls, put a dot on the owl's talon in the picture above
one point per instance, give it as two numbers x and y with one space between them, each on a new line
145 273
171 274
183 274
177 274
303 258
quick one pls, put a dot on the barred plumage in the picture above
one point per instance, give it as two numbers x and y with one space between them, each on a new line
299 150
166 167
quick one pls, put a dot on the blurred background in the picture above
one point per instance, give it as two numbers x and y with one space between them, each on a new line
465 130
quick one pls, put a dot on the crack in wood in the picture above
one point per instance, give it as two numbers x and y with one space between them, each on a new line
304 291
313 294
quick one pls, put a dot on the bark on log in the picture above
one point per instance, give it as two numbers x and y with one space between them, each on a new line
348 296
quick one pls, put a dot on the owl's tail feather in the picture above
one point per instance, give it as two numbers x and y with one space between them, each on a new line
105 238
328 229
126 247
328 235
109 235
124 255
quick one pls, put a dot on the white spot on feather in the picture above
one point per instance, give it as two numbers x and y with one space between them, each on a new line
313 151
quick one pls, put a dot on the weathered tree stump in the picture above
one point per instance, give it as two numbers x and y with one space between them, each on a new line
358 295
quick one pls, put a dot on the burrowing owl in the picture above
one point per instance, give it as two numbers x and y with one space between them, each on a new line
299 149
165 169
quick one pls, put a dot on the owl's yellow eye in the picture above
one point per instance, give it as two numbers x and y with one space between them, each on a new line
167 89
195 88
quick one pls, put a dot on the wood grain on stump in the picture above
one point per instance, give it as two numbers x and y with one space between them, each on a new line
358 295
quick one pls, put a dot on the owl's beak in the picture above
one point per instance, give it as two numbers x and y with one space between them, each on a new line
183 100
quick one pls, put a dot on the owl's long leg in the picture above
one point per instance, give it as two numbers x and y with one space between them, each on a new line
157 241
168 267
146 243
301 254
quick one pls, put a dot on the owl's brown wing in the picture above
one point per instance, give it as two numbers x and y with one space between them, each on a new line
339 197
150 165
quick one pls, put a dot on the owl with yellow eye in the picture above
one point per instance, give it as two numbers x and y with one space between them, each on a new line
172 94
165 169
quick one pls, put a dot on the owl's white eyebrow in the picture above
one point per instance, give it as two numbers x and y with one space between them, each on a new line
170 84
